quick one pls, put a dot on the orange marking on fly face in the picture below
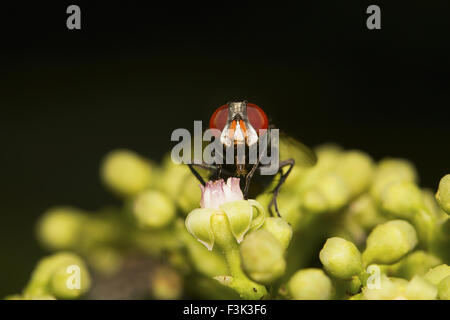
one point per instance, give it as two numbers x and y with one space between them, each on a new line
243 128
231 129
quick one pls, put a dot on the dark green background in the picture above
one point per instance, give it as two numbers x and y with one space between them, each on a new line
135 73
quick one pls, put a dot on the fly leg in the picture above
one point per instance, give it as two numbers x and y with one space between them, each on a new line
196 174
248 178
276 190
216 169
219 172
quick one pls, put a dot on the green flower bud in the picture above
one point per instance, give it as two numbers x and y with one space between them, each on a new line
265 198
372 272
389 171
432 205
289 208
349 229
173 177
310 284
314 201
444 288
189 194
426 227
209 263
356 161
364 212
328 155
166 284
401 168
443 239
437 274
341 258
239 214
70 281
399 282
335 191
153 209
443 193
330 192
262 257
386 289
60 228
101 229
295 178
198 223
220 198
156 242
280 229
402 199
389 242
63 275
177 181
346 288
105 260
125 172
415 263
420 289
354 285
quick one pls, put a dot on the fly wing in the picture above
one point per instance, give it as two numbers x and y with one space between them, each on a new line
292 148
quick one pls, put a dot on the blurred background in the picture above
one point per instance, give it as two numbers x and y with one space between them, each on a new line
135 73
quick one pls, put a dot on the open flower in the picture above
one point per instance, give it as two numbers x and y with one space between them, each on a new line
216 193
220 198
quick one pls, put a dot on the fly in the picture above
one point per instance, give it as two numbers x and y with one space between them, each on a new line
243 124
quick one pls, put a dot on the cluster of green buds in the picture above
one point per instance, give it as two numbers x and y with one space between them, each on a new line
388 268
375 231
252 244
60 276
443 194
328 187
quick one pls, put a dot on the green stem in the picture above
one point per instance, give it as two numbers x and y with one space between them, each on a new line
234 262
237 280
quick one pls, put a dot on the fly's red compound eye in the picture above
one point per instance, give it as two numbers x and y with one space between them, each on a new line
255 114
219 118
257 117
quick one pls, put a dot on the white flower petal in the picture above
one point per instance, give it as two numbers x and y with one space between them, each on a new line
216 193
